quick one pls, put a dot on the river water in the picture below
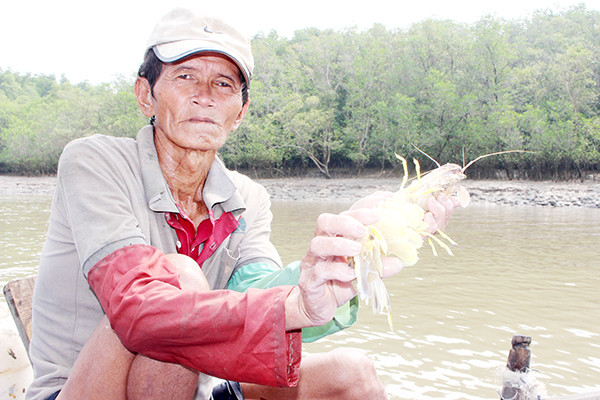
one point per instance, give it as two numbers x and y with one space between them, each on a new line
517 270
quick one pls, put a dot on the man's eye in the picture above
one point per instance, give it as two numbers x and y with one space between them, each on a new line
185 76
223 84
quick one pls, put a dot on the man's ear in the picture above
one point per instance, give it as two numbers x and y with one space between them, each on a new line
143 94
240 117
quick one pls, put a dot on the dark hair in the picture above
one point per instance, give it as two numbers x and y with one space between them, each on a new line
151 69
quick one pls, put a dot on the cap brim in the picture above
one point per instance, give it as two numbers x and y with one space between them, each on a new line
175 51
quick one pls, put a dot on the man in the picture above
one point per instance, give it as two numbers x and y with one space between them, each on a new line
121 308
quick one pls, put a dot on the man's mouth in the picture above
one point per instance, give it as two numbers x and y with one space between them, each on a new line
202 120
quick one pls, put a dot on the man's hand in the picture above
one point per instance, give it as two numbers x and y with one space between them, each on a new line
325 274
440 210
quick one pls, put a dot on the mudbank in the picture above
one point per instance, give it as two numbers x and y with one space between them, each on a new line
492 192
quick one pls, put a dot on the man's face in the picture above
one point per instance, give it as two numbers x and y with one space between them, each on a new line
197 102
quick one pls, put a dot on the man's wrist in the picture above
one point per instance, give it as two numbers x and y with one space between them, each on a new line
295 317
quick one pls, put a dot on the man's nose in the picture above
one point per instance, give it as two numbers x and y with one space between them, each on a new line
203 94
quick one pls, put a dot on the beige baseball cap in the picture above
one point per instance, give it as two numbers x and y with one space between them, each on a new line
183 32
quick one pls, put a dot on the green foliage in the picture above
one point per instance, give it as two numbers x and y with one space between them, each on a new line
352 99
39 116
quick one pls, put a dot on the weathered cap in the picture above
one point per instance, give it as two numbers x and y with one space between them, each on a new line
183 32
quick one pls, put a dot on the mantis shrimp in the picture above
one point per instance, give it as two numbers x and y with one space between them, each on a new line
401 231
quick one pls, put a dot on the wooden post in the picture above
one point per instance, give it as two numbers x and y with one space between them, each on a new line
520 355
19 296
518 362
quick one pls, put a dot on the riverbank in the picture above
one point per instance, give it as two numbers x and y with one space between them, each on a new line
489 192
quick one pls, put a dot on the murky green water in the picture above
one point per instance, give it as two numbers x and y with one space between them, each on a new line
532 271
23 225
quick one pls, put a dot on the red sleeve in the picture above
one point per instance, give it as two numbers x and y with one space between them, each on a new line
222 333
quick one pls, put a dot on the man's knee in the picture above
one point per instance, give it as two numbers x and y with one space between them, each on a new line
150 379
190 274
357 375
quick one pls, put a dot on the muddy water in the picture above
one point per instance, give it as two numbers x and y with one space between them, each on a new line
532 271
23 225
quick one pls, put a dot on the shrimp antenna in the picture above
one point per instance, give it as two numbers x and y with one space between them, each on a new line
495 154
463 151
427 155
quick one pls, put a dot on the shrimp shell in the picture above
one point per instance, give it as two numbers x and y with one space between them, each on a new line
400 231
